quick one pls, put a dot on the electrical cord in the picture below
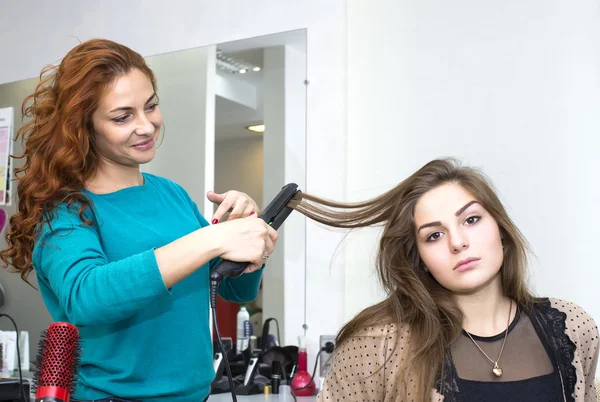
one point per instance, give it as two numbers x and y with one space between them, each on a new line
21 392
214 287
278 334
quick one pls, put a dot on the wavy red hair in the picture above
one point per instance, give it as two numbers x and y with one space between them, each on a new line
58 141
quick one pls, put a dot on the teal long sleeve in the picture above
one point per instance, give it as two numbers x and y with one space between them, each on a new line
140 340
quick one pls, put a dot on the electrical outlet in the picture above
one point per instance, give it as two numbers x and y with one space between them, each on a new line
324 361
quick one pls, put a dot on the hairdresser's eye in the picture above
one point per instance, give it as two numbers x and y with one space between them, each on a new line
471 220
121 119
152 107
434 236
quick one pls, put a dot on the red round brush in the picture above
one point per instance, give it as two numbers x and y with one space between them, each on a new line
57 363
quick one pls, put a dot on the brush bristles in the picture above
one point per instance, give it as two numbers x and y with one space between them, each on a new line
38 361
55 345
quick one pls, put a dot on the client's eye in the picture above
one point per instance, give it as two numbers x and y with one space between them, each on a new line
434 236
471 220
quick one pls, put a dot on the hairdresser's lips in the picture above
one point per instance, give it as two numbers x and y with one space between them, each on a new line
466 264
142 146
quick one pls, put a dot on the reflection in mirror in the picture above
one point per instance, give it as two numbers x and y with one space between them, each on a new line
234 119
260 147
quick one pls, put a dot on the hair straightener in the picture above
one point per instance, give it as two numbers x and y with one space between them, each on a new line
274 214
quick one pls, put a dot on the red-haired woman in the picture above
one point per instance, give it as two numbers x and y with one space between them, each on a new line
123 255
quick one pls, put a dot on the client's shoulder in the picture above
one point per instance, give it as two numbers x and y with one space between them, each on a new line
365 363
382 330
577 321
573 310
374 343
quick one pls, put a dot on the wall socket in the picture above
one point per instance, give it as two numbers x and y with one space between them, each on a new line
324 362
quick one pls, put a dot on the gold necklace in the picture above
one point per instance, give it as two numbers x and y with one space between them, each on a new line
496 370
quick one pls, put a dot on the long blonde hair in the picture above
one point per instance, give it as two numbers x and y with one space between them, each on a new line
414 298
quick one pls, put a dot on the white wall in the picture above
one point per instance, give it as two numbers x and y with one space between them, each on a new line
285 162
239 166
512 86
186 83
30 40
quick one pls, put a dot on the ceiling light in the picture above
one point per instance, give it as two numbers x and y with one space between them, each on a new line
259 128
232 65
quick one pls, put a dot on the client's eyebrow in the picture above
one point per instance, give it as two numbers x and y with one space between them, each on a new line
457 213
430 224
467 205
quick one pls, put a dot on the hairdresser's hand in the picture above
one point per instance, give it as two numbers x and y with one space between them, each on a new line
246 240
238 204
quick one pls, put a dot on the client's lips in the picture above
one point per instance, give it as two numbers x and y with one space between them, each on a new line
466 263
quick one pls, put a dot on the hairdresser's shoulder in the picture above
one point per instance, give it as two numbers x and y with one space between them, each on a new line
159 181
70 213
164 184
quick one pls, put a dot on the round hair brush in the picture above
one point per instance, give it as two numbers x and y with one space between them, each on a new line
57 363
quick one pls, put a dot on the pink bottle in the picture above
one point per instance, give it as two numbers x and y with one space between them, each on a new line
302 379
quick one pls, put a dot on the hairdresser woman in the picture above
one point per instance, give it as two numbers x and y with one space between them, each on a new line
123 255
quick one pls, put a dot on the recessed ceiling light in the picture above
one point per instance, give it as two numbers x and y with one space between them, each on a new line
259 128
231 64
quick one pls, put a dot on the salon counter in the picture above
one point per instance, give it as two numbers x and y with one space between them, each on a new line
258 398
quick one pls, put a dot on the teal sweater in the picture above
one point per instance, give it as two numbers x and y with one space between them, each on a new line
140 340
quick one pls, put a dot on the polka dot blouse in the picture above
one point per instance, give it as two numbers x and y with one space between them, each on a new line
564 356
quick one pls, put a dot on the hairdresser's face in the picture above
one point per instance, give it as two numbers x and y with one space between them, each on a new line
458 240
127 122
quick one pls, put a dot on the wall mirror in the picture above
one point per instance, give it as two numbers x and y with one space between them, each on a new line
235 118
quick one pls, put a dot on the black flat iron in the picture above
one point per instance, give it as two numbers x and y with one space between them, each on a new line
274 214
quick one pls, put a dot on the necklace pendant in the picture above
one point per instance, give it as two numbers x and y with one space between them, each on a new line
497 370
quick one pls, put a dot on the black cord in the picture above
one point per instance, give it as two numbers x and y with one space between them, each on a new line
278 335
21 393
264 341
214 286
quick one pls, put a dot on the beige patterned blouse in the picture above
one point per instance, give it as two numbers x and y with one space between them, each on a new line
557 339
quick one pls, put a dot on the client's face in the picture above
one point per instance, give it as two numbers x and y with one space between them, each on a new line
458 240
127 121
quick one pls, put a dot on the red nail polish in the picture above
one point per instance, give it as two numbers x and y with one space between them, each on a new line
215 221
251 213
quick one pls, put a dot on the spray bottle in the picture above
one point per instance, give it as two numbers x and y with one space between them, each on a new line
243 319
